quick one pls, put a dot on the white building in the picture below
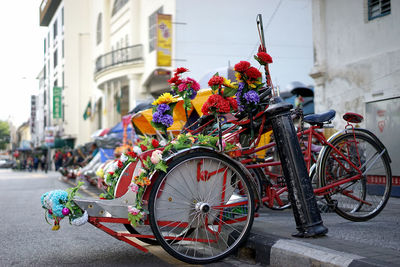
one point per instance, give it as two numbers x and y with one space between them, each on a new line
357 54
356 68
103 54
206 35
67 66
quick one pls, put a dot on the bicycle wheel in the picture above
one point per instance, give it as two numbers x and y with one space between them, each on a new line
202 208
364 196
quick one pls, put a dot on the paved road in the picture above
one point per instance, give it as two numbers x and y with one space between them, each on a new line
27 240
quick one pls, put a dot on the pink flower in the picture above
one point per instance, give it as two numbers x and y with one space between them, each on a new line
141 171
133 210
156 156
194 84
182 86
134 187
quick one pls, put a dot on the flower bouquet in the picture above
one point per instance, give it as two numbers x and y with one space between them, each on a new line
163 108
186 88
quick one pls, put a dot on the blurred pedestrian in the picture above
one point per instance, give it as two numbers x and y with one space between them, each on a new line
35 162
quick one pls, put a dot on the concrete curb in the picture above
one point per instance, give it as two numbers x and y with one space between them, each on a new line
271 250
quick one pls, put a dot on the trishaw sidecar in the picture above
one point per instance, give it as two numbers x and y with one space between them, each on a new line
199 211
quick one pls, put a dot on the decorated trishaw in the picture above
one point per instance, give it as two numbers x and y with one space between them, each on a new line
193 188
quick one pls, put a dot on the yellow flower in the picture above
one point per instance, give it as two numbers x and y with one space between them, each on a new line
230 84
238 76
165 98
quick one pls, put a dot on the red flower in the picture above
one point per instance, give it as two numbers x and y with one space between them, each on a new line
120 164
143 147
216 103
216 80
233 103
253 73
242 66
180 70
111 173
174 79
155 143
264 58
131 154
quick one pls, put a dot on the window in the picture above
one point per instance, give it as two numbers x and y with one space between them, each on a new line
62 49
378 8
118 4
55 58
48 39
55 83
99 29
55 30
153 29
62 16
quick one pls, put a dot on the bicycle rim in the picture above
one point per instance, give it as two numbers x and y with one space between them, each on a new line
202 209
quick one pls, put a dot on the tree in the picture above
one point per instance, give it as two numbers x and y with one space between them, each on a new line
4 134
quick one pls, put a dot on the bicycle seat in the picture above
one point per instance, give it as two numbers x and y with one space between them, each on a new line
321 118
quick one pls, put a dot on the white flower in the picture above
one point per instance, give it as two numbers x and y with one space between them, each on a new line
137 150
156 156
81 220
123 158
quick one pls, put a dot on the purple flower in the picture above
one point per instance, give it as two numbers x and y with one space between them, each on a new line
162 108
239 96
166 120
157 116
251 96
192 94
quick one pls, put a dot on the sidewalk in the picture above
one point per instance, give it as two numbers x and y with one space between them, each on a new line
372 243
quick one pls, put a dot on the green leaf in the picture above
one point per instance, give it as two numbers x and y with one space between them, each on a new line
161 166
229 91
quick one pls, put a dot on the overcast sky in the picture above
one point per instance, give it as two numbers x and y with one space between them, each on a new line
20 57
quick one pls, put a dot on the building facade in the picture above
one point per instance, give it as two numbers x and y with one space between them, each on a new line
66 68
356 67
104 54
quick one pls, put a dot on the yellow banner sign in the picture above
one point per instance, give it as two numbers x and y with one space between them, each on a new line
164 40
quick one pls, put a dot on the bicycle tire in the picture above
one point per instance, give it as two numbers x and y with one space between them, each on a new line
210 230
357 200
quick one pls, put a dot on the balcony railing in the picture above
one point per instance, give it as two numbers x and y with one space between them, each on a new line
120 56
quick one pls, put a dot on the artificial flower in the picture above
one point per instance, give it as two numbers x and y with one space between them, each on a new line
156 156
181 70
252 96
242 66
134 187
155 143
143 147
263 58
123 158
165 98
120 164
230 84
216 81
253 73
137 150
133 210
